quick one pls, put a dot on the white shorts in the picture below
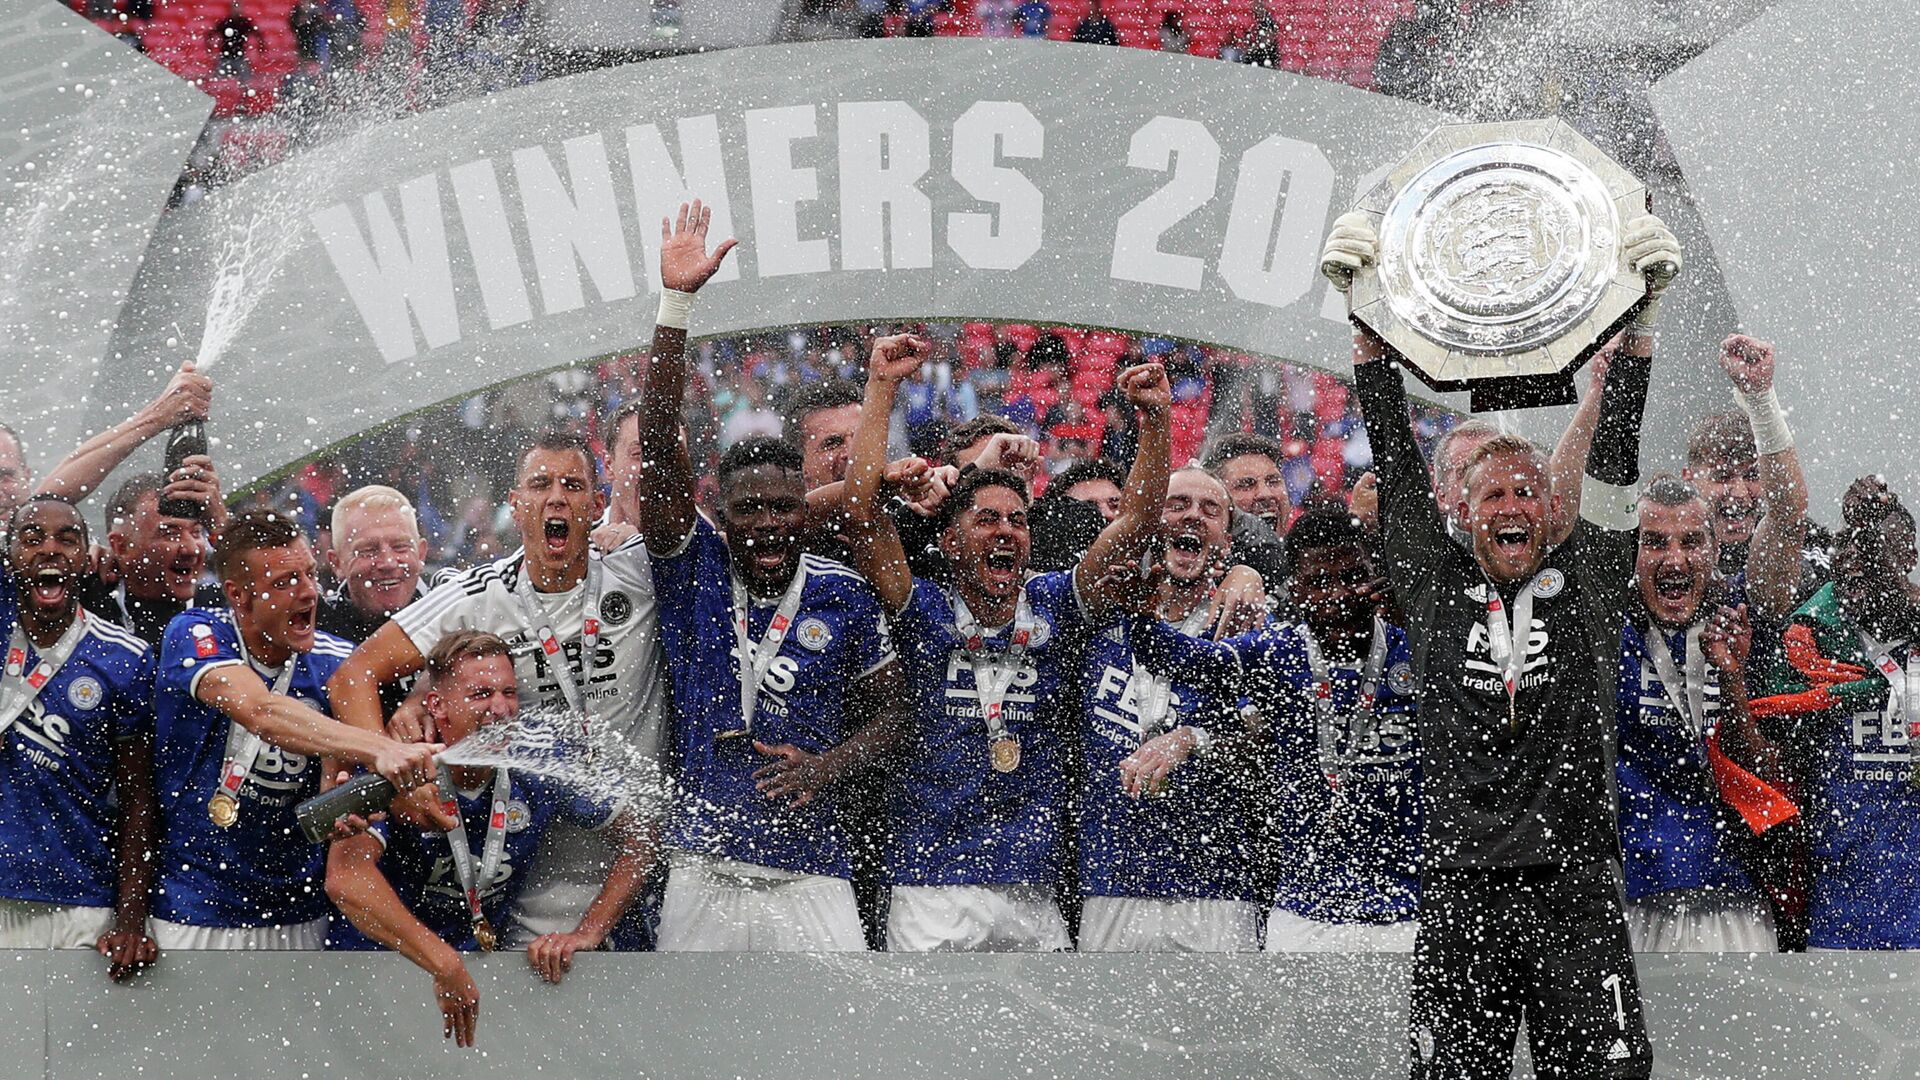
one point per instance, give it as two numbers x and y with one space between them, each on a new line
975 918
298 936
1144 924
565 877
1701 920
719 905
1288 932
27 924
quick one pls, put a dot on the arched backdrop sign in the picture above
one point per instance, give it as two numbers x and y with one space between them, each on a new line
434 255
441 253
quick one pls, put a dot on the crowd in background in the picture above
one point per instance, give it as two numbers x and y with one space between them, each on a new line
1054 383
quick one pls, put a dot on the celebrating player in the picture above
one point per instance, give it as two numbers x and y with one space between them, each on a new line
1853 679
240 728
1745 464
584 638
1519 893
154 560
1333 691
976 806
429 896
1167 863
784 679
75 704
1691 758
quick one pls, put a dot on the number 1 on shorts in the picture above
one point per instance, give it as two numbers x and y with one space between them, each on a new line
1612 982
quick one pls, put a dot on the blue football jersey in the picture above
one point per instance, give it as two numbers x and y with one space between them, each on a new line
1671 822
57 768
957 821
1195 841
838 636
419 864
262 871
1346 815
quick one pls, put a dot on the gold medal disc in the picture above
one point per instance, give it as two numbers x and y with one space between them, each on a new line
223 810
1006 754
484 936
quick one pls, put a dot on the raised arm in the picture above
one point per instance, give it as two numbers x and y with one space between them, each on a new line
666 477
1609 495
1613 465
1569 462
1773 562
877 552
365 896
1145 498
1412 533
187 396
1411 529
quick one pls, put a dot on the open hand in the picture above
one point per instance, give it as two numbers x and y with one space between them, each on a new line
459 1001
685 263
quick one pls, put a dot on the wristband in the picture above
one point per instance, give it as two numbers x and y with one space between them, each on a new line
967 470
1768 419
675 306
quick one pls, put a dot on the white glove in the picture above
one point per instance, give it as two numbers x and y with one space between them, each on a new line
1352 245
1654 253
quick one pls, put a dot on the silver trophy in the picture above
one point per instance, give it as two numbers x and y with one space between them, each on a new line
1501 268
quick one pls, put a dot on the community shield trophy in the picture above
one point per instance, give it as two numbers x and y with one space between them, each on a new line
1501 268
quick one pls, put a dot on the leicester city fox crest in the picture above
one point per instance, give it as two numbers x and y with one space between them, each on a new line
1400 679
813 634
84 693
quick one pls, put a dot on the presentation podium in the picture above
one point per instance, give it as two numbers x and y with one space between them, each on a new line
688 1017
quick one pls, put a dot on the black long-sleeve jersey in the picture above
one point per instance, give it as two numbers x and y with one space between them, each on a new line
1529 780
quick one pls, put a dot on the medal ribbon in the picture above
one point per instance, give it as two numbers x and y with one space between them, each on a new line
1505 641
1686 690
1330 764
1903 683
20 687
491 852
1761 805
243 746
757 660
993 673
1153 696
542 624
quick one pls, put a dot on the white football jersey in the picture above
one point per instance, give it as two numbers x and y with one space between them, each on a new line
622 684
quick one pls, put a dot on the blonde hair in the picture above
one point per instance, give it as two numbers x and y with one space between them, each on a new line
1504 443
371 497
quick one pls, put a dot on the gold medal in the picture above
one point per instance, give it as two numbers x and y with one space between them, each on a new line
223 810
1005 752
484 936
